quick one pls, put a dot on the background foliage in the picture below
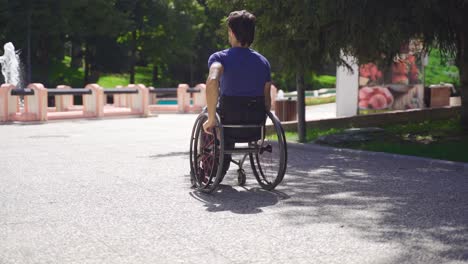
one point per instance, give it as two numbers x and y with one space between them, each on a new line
165 42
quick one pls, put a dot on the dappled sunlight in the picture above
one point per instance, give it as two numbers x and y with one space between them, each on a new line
416 205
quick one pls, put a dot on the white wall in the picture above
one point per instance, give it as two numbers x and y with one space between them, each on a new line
347 89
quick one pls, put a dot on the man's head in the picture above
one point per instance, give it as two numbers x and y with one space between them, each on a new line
241 26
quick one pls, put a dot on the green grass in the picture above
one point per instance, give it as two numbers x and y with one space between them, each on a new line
61 73
437 139
311 134
325 81
113 80
142 75
320 100
433 139
450 150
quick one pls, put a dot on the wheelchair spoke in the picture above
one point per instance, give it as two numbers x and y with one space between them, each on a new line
269 164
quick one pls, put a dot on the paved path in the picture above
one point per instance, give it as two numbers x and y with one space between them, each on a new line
323 111
117 191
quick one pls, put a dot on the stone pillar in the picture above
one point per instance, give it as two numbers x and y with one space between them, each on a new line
9 105
139 102
183 98
63 102
273 94
153 99
93 104
35 106
347 88
128 97
119 99
199 99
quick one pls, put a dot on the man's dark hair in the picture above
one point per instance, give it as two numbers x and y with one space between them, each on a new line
242 24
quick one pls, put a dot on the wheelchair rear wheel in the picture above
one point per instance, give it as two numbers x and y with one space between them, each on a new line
269 164
206 156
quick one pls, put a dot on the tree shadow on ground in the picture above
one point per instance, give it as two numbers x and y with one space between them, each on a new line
421 206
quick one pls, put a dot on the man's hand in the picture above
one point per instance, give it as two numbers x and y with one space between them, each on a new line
208 126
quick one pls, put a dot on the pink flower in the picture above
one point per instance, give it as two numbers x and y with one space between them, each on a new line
375 98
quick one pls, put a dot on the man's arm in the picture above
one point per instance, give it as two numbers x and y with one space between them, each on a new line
267 93
212 92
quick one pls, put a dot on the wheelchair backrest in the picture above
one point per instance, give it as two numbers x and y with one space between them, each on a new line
242 110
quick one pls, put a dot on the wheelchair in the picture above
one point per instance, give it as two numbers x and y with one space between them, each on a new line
239 121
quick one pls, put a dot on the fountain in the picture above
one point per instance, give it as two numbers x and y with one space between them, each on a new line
10 65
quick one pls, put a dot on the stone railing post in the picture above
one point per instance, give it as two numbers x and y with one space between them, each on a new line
273 94
119 99
9 105
93 104
153 98
183 98
63 102
139 102
199 99
35 106
128 97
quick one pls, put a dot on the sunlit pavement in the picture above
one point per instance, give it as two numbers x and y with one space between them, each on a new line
117 191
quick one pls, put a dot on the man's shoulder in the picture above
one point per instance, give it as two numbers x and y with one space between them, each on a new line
217 57
220 53
263 58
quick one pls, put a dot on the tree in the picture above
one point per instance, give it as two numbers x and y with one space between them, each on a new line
86 26
370 29
168 40
291 34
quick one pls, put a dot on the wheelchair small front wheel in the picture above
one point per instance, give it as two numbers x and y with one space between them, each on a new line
269 164
241 177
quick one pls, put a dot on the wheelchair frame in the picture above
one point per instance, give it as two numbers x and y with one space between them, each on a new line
214 152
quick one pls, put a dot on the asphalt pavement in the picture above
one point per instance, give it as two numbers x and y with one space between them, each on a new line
118 191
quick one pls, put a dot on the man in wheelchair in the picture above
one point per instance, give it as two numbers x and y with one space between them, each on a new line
238 84
238 105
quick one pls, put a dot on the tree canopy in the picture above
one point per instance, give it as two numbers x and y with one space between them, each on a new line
177 36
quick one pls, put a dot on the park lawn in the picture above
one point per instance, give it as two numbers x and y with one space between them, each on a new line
454 150
432 139
311 134
325 81
442 139
320 100
62 73
142 75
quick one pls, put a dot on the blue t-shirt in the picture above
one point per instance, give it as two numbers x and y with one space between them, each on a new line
245 71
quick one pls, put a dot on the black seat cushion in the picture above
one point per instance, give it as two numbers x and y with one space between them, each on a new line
242 110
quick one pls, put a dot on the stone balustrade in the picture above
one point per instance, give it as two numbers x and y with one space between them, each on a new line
135 99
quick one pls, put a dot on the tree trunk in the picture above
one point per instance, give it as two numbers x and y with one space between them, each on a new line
28 54
300 87
155 74
463 68
133 57
76 55
86 65
462 63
